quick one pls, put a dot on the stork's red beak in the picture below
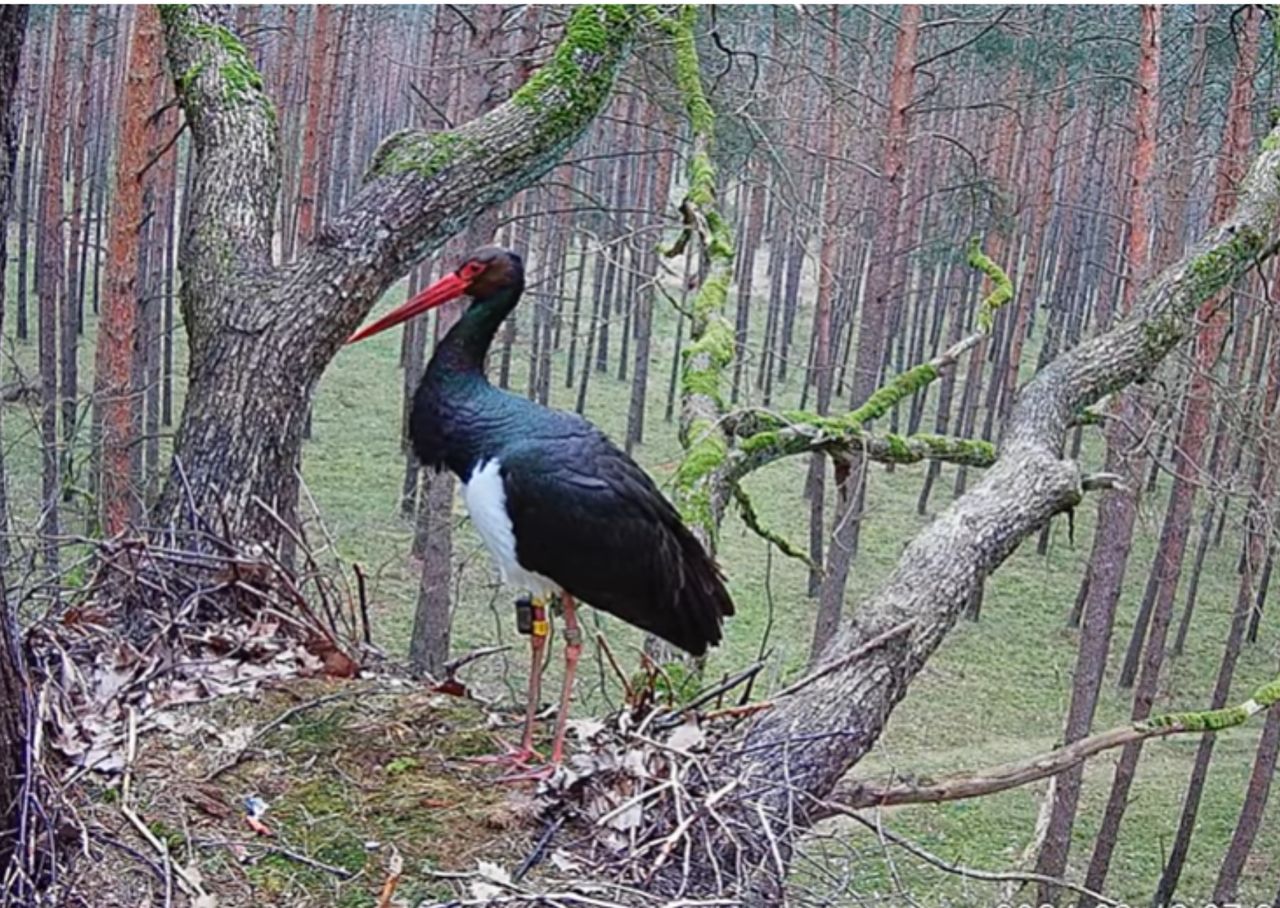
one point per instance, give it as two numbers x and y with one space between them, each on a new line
449 287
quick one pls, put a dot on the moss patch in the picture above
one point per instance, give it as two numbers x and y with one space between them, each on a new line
345 782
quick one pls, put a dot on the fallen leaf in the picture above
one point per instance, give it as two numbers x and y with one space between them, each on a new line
563 862
452 687
585 729
688 736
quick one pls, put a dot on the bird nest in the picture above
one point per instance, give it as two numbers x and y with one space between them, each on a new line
215 729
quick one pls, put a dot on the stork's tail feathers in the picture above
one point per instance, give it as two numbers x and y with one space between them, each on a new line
692 622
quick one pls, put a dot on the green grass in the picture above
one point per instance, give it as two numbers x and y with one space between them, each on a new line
997 690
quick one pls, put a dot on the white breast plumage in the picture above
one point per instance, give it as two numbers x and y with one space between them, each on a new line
487 504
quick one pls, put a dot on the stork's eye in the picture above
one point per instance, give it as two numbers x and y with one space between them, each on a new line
472 269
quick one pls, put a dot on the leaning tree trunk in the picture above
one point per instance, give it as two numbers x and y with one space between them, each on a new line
261 333
792 758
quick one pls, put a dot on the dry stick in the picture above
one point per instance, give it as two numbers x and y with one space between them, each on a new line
603 644
363 600
189 885
279 720
822 671
340 872
451 667
708 695
990 876
638 799
539 848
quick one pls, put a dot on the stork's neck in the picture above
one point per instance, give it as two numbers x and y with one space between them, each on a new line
463 350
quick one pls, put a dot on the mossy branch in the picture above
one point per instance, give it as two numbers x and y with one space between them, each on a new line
769 437
566 93
765 446
700 490
747 510
1001 290
1263 698
977 783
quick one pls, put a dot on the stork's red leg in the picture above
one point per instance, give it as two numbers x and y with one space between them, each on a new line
537 646
572 650
525 754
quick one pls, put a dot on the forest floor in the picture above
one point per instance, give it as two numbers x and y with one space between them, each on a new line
997 690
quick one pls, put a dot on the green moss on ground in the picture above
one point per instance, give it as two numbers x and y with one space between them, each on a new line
346 782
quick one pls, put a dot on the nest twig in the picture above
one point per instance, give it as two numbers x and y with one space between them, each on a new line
145 622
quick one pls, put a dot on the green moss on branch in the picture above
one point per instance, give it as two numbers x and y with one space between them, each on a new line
899 389
749 516
1265 697
213 43
1002 286
566 94
565 86
425 154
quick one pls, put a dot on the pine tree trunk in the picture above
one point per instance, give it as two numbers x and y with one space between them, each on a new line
13 29
1198 402
1227 887
1117 512
51 264
1255 545
70 327
1186 456
118 326
429 645
313 137
27 178
873 325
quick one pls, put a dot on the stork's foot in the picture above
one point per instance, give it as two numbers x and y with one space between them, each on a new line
510 758
538 774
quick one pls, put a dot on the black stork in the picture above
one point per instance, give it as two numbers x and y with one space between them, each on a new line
563 512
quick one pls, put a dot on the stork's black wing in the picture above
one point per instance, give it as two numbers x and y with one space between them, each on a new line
585 515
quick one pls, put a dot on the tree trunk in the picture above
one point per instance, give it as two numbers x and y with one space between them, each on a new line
15 701
26 179
821 367
119 501
429 645
1198 402
1117 511
1186 457
313 137
1257 530
1254 553
1250 820
872 327
70 327
259 334
13 29
51 265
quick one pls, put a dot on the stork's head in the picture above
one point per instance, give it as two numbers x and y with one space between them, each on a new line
490 271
